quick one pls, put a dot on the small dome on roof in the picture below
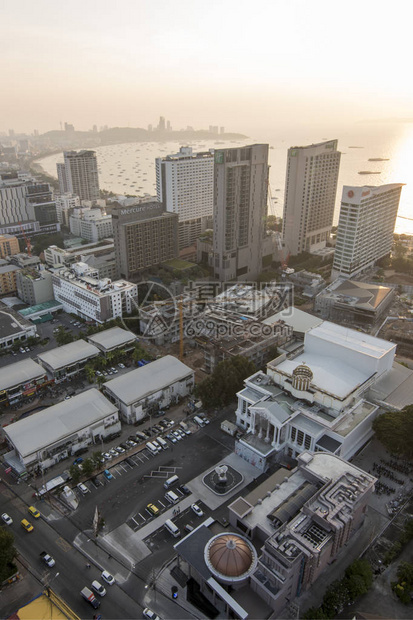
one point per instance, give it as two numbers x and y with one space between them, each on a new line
230 556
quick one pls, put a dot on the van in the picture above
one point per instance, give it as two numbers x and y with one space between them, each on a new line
172 528
172 480
172 497
198 420
162 443
152 448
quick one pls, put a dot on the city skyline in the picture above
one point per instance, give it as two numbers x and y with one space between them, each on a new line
129 63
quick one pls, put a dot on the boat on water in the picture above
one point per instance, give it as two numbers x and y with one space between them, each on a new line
368 172
379 159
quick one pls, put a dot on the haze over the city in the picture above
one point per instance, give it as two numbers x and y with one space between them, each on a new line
235 63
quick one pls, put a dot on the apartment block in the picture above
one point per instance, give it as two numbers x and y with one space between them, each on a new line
9 245
365 228
310 194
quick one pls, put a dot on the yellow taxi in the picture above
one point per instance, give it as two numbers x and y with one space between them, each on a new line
27 526
34 512
153 509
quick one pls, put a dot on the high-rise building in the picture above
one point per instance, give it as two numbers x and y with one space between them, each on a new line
145 235
365 228
310 194
80 174
22 199
184 185
240 207
90 224
41 206
62 178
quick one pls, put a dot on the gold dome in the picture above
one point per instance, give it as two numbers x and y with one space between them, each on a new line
230 555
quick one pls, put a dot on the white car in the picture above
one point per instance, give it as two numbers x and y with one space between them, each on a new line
151 615
107 456
82 488
196 509
121 365
98 588
7 520
106 576
47 559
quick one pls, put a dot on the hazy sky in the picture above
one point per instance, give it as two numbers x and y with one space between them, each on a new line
236 63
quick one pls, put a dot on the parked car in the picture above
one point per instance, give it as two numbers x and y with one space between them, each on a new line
7 520
113 452
188 528
130 443
82 488
152 509
151 615
196 509
171 438
120 449
78 461
121 365
184 489
107 456
177 435
106 576
107 474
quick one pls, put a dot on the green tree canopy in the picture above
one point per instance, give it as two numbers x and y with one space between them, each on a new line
227 379
395 431
7 554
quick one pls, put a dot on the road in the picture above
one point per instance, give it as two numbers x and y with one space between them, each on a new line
119 499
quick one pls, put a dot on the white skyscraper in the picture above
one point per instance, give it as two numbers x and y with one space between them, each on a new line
310 194
184 185
365 228
240 208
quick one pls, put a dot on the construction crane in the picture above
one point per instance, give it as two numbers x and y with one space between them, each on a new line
27 240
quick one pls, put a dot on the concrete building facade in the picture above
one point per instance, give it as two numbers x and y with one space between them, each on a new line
81 292
9 245
240 207
145 235
365 227
90 224
65 203
34 286
80 175
310 194
184 185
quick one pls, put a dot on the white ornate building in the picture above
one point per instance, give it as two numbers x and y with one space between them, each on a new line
323 399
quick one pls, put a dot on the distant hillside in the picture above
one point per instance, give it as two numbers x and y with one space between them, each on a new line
118 135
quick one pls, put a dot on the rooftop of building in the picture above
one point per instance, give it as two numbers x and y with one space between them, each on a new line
59 421
352 293
330 374
8 268
395 388
299 320
352 339
20 372
10 322
43 307
141 382
83 276
68 354
111 338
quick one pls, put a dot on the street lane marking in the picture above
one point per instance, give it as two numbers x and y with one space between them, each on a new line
63 544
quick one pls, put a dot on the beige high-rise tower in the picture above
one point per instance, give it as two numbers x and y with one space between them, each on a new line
240 207
310 194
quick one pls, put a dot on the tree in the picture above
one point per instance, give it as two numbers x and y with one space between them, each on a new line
227 379
63 337
90 373
7 554
96 458
88 467
395 431
360 568
75 473
405 573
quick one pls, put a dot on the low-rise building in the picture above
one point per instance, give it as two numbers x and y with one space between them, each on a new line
68 360
19 380
282 536
34 286
354 303
91 224
308 283
8 278
143 391
81 292
113 339
14 328
9 245
319 398
54 434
